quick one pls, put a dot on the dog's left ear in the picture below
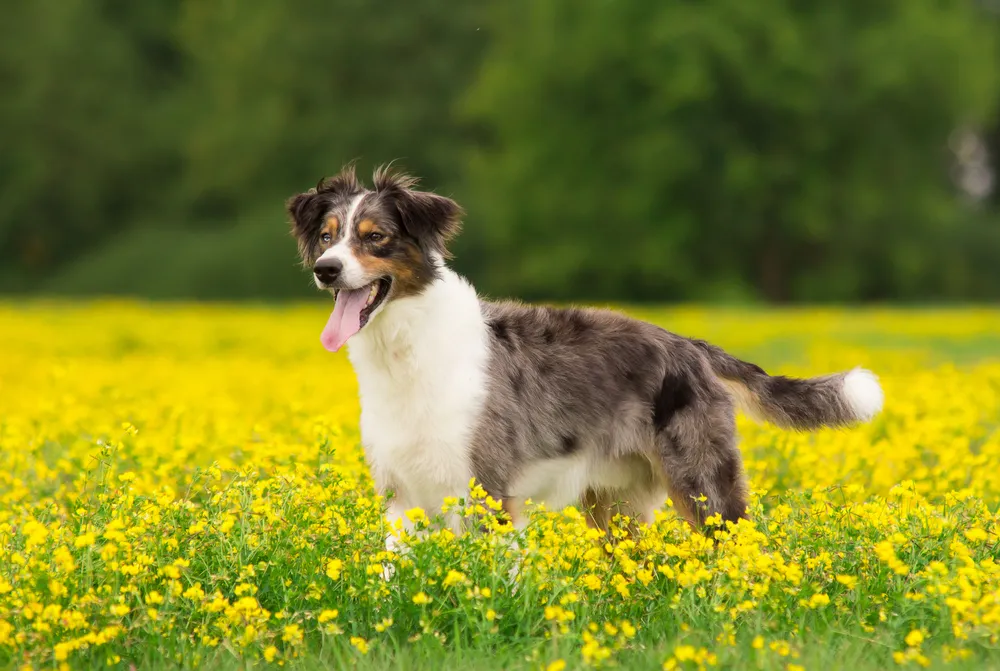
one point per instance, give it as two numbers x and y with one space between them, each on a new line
432 219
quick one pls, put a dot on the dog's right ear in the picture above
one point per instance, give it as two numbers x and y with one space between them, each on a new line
305 209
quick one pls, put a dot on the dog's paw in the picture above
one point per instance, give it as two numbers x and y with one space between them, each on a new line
513 581
388 571
513 572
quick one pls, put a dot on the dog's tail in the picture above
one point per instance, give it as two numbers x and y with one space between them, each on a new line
831 400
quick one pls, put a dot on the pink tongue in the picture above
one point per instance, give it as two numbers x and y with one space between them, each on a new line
345 320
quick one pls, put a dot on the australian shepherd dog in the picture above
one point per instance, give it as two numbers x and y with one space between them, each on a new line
563 406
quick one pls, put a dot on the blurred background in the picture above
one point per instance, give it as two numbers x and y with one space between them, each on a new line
712 150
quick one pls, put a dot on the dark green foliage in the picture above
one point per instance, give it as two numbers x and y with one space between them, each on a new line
780 149
607 150
85 134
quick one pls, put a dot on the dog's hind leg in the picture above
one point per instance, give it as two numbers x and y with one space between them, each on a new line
596 509
637 505
703 470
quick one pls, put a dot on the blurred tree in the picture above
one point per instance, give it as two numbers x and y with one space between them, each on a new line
780 149
610 150
78 124
161 115
287 92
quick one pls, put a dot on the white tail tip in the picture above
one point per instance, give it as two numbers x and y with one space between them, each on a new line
863 393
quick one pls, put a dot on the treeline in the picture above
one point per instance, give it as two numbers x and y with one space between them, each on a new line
776 150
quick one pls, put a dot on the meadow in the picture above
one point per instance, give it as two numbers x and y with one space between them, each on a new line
182 486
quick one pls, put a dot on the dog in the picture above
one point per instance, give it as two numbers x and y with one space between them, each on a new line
563 406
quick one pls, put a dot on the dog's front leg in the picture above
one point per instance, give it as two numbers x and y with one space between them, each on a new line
397 522
395 518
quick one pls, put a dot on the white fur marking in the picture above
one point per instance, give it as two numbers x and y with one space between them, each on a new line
863 393
555 482
353 274
563 481
421 368
351 211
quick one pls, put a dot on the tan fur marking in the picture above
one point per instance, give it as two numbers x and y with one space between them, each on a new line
600 509
509 506
405 272
366 226
685 508
745 400
332 224
596 507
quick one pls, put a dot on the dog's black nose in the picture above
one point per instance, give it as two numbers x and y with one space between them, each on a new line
328 270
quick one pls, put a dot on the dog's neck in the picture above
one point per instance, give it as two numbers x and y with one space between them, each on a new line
442 327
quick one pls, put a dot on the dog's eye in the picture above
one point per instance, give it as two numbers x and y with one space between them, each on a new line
375 237
326 237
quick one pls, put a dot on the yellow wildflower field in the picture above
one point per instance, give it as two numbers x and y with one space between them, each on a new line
183 486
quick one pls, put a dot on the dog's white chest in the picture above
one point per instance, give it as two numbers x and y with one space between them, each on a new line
421 371
418 430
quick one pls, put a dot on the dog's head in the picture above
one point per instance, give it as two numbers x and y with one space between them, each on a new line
370 246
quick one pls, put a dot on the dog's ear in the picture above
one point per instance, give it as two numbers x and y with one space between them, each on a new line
432 219
305 209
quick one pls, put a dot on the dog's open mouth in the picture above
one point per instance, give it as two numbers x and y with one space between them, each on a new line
352 310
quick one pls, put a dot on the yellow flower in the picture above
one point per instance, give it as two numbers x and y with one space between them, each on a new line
684 653
292 633
334 568
360 643
976 534
60 652
421 599
914 638
416 515
194 592
453 578
818 600
557 665
84 540
270 652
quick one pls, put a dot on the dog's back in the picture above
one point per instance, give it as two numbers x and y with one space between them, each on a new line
590 404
